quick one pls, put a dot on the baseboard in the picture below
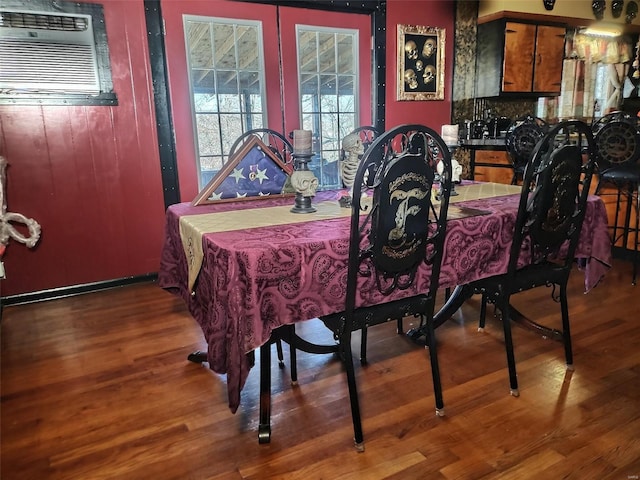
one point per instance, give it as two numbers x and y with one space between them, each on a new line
63 292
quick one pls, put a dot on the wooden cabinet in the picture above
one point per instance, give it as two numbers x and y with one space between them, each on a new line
515 58
492 166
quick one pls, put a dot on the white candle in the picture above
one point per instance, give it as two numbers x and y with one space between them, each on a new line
302 141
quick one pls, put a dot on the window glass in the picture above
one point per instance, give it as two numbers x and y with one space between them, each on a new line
225 62
327 65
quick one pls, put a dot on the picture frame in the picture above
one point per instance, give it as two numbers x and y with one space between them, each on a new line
421 54
254 171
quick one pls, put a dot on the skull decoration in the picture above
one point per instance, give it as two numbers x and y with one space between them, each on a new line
616 8
549 4
411 79
429 74
429 48
304 182
419 66
598 7
631 12
352 143
412 50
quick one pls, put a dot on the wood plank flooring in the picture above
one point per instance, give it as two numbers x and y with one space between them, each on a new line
97 386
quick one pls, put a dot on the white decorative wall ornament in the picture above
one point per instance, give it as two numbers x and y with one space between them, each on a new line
7 219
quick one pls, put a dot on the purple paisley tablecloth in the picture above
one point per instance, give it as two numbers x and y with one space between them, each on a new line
255 280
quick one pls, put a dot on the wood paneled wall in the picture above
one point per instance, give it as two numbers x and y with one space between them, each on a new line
90 175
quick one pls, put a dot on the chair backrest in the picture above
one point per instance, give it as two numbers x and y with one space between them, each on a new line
277 143
554 195
617 138
402 228
521 138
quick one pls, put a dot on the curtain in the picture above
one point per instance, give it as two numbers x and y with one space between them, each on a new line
583 55
617 74
577 99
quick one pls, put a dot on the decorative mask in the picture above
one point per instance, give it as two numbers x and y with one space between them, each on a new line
429 48
429 73
412 50
411 79
549 4
598 7
632 11
616 8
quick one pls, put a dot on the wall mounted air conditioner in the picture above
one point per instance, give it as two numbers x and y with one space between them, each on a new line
44 52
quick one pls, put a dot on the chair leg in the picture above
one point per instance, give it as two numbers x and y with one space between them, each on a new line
636 190
363 345
280 354
483 313
435 369
566 329
264 425
345 345
508 342
293 358
400 327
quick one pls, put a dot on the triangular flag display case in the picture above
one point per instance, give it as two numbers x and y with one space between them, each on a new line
253 171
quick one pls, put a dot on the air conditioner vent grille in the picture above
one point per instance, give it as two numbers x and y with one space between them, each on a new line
43 21
47 66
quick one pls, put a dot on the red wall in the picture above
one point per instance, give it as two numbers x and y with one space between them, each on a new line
91 175
429 13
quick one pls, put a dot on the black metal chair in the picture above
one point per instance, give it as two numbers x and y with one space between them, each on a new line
521 138
617 137
550 214
392 239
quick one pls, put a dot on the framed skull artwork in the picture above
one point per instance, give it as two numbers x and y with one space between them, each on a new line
420 63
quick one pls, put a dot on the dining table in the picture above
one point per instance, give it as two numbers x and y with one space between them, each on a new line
245 269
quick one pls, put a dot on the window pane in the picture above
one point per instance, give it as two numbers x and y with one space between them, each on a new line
327 64
227 85
224 45
345 49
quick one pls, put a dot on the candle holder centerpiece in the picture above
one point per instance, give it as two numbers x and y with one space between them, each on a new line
303 180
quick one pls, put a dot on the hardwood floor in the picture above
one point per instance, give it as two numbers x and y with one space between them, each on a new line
97 386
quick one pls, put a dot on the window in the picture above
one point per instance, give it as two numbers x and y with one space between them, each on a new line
54 53
327 68
225 62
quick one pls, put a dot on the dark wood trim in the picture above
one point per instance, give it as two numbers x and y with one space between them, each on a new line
162 102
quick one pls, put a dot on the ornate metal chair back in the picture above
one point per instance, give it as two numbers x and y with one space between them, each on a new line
554 195
277 143
521 138
617 138
402 227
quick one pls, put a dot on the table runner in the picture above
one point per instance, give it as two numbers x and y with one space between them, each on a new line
193 227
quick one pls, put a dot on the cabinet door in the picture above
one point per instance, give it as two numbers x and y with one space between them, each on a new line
549 55
519 43
492 166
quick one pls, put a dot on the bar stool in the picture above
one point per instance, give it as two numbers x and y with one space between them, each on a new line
617 137
521 138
